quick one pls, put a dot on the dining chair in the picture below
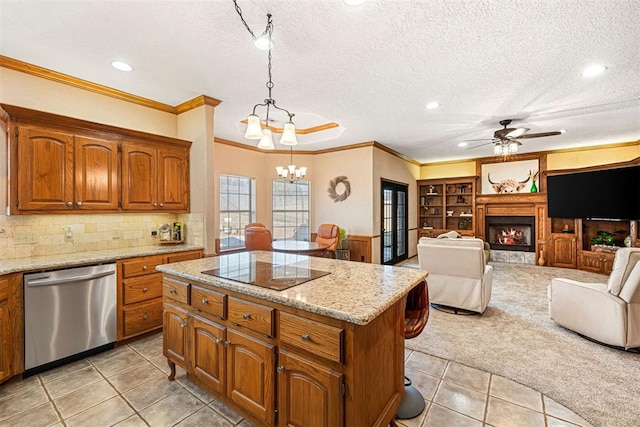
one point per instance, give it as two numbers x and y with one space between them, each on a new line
257 239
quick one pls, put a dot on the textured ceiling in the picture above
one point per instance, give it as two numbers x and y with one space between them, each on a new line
370 68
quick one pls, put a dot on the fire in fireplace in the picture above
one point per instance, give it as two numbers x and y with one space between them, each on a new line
511 233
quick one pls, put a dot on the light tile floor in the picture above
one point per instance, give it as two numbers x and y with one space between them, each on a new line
127 386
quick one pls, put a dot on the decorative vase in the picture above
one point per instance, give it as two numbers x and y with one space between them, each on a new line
534 189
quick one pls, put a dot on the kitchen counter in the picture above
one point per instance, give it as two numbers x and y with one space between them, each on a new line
82 258
353 292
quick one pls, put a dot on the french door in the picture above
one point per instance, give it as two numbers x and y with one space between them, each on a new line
394 233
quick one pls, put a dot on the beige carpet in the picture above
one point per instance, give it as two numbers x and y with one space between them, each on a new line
516 339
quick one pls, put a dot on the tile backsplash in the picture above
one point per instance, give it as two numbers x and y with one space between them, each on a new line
35 235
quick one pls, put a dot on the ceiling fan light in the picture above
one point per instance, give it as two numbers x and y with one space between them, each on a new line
497 149
513 147
254 129
289 134
266 142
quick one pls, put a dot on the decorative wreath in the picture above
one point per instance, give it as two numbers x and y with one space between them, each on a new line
333 195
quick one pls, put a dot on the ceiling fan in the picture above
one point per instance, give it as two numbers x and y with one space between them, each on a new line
505 140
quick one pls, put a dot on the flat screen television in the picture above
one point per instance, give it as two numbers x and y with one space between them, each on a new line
602 194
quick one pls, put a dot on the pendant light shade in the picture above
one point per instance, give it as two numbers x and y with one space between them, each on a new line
289 134
266 142
254 130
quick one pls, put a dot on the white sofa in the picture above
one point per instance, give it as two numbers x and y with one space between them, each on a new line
606 312
458 275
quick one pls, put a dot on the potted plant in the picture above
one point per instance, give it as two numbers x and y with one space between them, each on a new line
342 252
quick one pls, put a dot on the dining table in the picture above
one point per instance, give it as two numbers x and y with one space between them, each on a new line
300 247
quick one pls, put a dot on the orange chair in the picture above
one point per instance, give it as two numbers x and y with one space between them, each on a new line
329 234
416 314
255 224
257 239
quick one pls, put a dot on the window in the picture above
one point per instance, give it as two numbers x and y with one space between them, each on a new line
237 209
290 210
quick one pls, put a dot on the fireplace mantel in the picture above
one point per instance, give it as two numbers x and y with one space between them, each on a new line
517 204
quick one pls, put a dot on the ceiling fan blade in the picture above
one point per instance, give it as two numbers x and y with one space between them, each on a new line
479 145
539 135
481 139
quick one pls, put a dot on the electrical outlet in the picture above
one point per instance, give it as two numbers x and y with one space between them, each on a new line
117 234
26 238
154 233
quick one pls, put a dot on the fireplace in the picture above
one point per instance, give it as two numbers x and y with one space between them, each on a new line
511 233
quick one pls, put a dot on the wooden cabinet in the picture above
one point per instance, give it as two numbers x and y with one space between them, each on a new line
281 366
60 171
308 393
596 262
564 250
154 179
63 165
11 326
445 205
140 290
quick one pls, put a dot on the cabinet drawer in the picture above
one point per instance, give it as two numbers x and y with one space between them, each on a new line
183 256
256 317
142 288
175 290
317 338
141 266
208 301
142 317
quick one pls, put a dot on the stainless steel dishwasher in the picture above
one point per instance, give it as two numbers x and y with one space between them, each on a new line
68 314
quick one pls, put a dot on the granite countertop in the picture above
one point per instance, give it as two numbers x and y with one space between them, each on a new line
70 260
354 292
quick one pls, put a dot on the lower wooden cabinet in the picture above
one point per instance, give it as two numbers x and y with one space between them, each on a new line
564 249
11 326
140 292
174 343
596 262
207 353
309 394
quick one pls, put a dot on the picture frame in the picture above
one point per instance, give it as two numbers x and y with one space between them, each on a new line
509 177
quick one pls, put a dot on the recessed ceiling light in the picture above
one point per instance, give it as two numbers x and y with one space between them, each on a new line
354 2
593 70
262 43
433 105
462 144
122 66
562 130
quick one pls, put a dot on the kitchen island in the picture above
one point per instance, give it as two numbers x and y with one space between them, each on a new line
326 350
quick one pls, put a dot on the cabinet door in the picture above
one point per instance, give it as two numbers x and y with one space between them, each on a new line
45 175
139 177
207 353
564 251
591 261
250 374
173 179
5 341
174 345
96 172
309 394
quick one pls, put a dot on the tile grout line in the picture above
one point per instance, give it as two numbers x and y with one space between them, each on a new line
55 407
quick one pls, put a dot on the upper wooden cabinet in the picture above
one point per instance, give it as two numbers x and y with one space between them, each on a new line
64 165
155 178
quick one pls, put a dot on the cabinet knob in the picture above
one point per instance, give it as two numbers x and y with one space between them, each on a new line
217 340
145 289
246 316
70 204
227 343
306 337
182 324
280 369
172 290
78 203
155 205
205 301
161 205
144 267
145 317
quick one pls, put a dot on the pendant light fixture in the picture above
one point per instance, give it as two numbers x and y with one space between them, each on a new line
255 128
291 173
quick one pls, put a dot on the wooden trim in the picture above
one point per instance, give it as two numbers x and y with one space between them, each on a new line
256 149
303 131
44 73
634 162
395 153
195 103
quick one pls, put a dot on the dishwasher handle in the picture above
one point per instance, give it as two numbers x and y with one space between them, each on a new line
48 281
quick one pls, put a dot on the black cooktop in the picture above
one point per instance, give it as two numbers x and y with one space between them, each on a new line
285 270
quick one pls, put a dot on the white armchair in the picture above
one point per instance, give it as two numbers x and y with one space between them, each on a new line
608 313
458 276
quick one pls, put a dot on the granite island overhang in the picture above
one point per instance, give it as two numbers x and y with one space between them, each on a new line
328 351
